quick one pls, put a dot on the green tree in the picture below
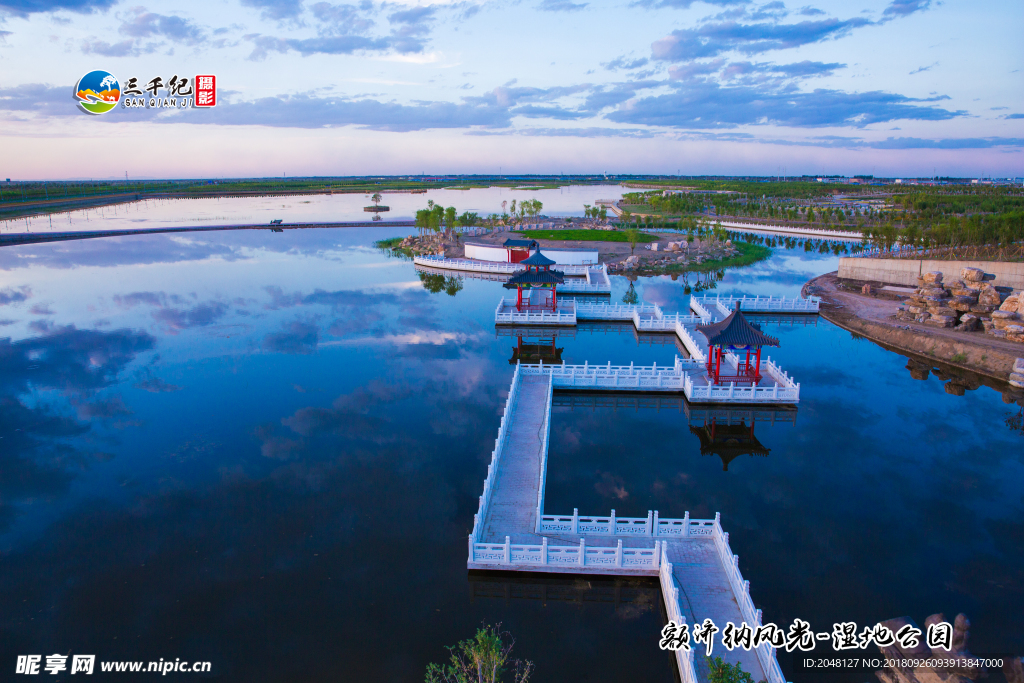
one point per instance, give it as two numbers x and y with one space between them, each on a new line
450 216
423 220
722 672
485 658
436 217
376 197
632 236
468 219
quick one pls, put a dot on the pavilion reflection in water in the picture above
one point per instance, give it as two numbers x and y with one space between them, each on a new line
727 432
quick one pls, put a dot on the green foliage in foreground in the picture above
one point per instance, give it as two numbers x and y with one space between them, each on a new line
484 658
586 235
389 243
721 672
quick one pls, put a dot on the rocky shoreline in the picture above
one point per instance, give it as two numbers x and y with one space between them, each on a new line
969 303
966 359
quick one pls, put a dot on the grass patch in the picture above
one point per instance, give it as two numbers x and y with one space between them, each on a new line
959 358
586 235
389 243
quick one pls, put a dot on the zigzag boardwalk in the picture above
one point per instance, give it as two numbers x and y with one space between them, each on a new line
699 575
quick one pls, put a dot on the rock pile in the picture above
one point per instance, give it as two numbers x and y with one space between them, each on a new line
1017 375
967 304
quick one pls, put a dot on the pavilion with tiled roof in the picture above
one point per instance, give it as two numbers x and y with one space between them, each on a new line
735 333
538 275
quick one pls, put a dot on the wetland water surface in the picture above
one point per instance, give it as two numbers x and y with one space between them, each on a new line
265 451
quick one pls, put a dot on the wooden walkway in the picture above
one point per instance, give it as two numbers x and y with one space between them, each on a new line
699 575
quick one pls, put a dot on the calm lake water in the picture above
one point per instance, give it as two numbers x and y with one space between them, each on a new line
164 213
265 450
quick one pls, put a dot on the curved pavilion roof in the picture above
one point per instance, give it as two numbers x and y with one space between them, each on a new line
736 331
536 277
537 259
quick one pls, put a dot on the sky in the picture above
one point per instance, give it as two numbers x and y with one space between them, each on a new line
881 87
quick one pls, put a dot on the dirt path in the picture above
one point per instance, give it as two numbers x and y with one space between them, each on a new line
874 317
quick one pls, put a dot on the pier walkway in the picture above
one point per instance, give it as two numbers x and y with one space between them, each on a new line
699 575
686 375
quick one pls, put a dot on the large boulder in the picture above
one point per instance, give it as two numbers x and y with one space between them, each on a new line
941 320
1018 365
1003 318
983 310
1012 303
961 303
933 278
933 292
989 296
1015 333
942 310
969 323
972 274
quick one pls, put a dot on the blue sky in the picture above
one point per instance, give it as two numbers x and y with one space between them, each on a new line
899 87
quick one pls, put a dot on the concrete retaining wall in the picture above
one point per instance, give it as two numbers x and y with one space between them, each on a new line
906 271
486 252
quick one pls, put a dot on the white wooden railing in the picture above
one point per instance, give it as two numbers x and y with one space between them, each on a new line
697 306
582 555
741 591
610 376
670 594
739 394
847 235
590 311
492 468
697 350
651 526
506 313
546 431
757 304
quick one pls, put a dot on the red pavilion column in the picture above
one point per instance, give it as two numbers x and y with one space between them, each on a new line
757 372
519 301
